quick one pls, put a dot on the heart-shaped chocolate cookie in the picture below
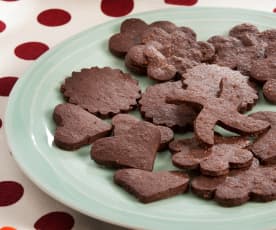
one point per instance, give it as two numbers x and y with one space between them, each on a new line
136 149
152 186
123 123
76 127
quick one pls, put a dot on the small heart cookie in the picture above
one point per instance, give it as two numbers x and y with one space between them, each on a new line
76 127
152 186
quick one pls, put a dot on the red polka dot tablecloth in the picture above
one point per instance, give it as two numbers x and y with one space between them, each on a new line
28 28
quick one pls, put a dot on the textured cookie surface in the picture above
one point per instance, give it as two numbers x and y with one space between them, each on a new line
153 106
152 186
184 145
240 48
77 127
122 123
264 147
205 186
131 31
257 184
164 54
102 91
136 149
129 35
264 69
208 79
269 90
232 96
218 159
188 144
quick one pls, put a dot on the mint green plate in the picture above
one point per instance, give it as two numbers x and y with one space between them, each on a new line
75 180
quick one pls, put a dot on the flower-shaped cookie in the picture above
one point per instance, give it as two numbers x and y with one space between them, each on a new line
218 159
206 186
164 55
239 49
257 184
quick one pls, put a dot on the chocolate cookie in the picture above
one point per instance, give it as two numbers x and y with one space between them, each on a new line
77 127
131 31
257 184
154 107
217 160
184 145
264 70
136 149
269 37
206 186
187 145
264 147
238 50
102 91
122 123
234 94
129 35
152 186
207 80
137 64
269 90
168 54
244 30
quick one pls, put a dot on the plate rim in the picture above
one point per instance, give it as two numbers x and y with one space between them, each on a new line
20 83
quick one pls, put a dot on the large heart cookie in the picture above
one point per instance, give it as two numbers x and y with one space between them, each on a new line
77 127
152 186
136 149
123 123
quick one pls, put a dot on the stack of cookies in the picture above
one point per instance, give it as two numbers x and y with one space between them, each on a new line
198 85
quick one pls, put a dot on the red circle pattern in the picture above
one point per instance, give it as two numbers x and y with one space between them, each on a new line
10 192
1 123
181 2
55 221
274 10
6 85
30 50
2 26
54 17
117 8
